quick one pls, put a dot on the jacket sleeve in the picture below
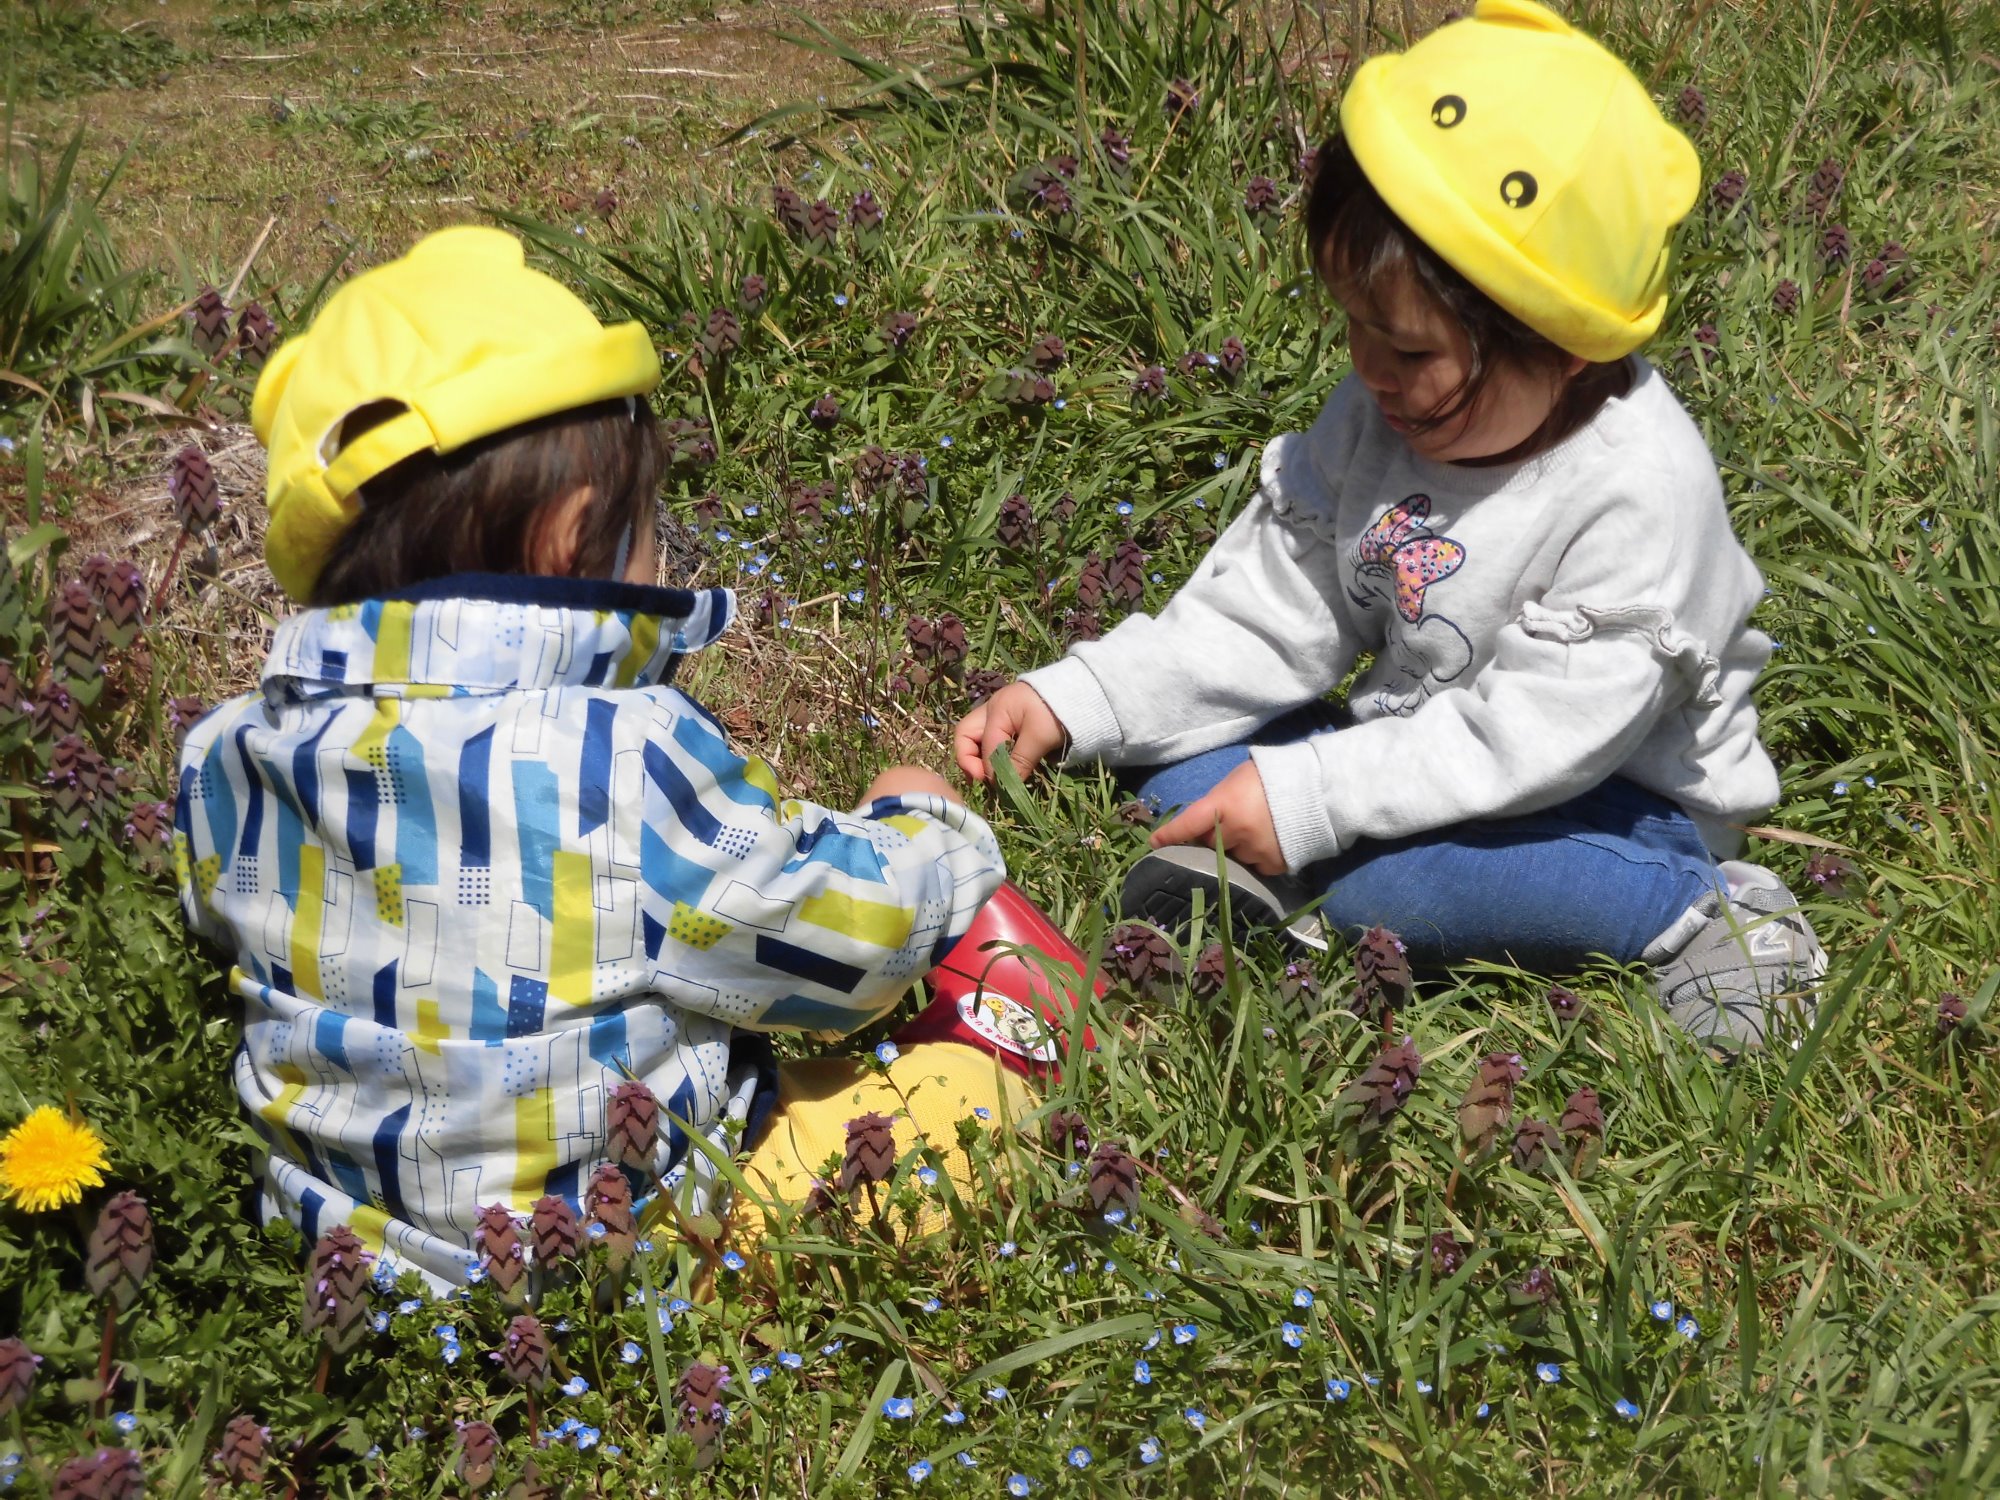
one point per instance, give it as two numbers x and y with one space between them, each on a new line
1261 627
1628 631
780 915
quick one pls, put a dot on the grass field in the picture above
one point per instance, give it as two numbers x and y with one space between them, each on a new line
1779 1278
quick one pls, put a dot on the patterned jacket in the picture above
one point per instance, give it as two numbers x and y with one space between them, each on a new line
474 860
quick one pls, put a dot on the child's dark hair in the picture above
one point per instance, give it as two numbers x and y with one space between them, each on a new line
1357 242
480 508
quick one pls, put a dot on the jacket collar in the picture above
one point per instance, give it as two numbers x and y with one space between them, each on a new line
485 632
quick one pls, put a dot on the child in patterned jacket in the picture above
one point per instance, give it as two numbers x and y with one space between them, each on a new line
474 858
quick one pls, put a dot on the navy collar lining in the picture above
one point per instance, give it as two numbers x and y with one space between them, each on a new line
559 593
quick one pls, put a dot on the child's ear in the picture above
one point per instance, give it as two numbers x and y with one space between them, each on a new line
557 533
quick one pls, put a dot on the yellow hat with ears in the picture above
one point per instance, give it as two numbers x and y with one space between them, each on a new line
1536 165
462 335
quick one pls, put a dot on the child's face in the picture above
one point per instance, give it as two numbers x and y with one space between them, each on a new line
1412 355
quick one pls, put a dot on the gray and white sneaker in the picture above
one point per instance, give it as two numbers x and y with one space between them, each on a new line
1739 962
1160 889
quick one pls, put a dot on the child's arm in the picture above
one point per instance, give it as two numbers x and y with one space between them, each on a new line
776 914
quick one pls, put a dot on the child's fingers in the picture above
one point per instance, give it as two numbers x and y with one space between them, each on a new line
1193 824
969 744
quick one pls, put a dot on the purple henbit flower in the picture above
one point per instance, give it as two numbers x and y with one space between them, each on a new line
1016 527
1025 388
708 510
864 217
1566 1005
1488 1103
1823 191
605 203
1382 978
337 1285
478 1454
1785 298
898 329
913 480
554 1231
1051 194
822 1201
822 225
191 485
122 596
79 779
523 1356
1308 164
1081 625
870 1155
690 444
17 1375
1112 1178
699 1410
1065 507
1371 1100
873 469
1447 1254
1692 108
1117 148
1091 582
54 713
209 323
255 334
76 638
982 683
118 1256
1535 1290
1138 954
240 1455
789 209
1707 347
1262 200
182 715
808 503
107 1474
722 337
1728 193
1834 246
753 293
1068 1132
1149 387
632 1125
1048 354
1536 1145
150 825
1182 99
1138 811
1232 359
608 1199
1297 981
824 413
1830 873
1582 1126
13 697
1950 1017
1211 972
1194 363
1127 573
497 1239
1884 274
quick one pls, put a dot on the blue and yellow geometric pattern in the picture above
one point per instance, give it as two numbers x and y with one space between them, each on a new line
475 860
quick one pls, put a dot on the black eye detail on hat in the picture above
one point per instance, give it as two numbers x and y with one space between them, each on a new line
1518 189
1448 111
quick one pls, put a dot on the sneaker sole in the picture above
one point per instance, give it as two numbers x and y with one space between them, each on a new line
1160 889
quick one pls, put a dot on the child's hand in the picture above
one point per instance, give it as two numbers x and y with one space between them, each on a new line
1016 715
1238 803
901 781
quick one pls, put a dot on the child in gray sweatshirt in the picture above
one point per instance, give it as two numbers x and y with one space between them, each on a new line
1553 750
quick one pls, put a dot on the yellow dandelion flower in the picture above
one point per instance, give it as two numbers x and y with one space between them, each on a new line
48 1159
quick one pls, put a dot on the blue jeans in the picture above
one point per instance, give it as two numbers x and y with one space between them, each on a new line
1599 876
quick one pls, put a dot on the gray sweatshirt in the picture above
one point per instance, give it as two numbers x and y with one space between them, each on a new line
1534 628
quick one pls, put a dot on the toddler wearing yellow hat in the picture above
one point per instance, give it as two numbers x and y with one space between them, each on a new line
473 858
1553 750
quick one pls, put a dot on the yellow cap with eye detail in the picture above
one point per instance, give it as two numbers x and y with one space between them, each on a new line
461 334
1536 165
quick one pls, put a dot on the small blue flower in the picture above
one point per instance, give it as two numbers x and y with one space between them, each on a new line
1840 789
1196 1417
1060 403
954 1417
945 441
409 1305
1149 1295
1149 1450
630 1352
833 1348
733 1261
997 1393
1185 1333
751 510
930 1304
680 1305
1078 1457
1124 507
919 1471
1372 1380
840 299
1869 782
1007 1248
1110 1267
1338 1389
759 1374
1115 1216
596 1229
1303 1297
982 1112
1626 1410
1152 1340
928 1176
887 1052
380 1322
612 1450
1069 1268
1687 1328
1423 1387
790 1360
1173 1262
449 1354
1663 1311
966 1460
855 596
899 1408
124 1421
1548 1372
1018 1484
586 1437
1222 460
1142 1372
1483 1410
576 1385
1292 1334
666 1320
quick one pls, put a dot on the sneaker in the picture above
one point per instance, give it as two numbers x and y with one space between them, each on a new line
1739 960
1161 887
